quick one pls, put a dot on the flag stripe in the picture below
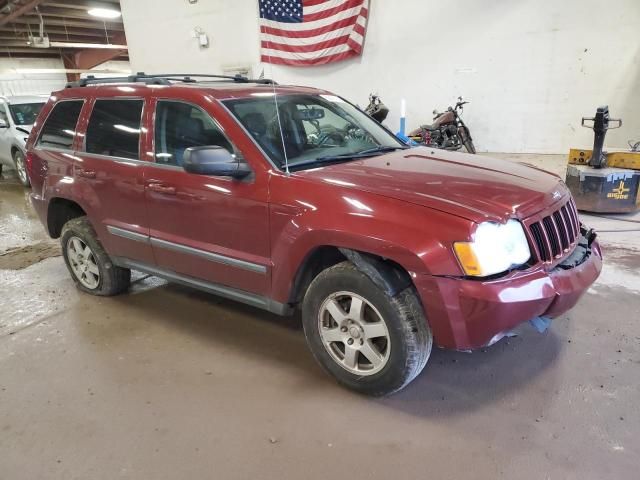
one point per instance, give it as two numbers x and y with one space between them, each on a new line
348 13
355 5
308 62
326 31
344 23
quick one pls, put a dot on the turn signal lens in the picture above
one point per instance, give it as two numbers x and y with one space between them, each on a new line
468 258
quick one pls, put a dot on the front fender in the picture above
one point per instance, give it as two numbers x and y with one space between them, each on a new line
415 237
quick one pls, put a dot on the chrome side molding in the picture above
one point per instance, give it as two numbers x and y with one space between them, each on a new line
176 247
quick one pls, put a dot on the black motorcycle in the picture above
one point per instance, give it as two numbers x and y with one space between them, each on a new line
447 131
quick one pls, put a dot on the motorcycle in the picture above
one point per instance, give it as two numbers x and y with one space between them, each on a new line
376 109
447 131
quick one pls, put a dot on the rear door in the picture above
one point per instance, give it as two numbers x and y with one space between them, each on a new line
108 175
211 228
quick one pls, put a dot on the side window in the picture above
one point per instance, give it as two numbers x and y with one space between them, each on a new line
3 113
179 126
59 129
114 128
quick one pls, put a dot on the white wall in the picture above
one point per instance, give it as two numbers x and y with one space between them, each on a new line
530 68
14 83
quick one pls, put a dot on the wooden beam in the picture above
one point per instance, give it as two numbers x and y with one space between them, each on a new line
27 7
94 24
70 13
89 32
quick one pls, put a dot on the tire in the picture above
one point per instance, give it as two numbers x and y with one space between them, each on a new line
21 168
467 141
77 235
402 353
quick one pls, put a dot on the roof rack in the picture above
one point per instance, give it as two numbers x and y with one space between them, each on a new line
166 79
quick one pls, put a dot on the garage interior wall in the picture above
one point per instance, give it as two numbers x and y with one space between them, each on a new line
530 68
17 77
13 81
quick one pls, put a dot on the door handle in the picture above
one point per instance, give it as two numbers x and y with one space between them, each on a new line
86 173
160 188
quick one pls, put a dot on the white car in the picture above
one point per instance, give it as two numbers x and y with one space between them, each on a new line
17 115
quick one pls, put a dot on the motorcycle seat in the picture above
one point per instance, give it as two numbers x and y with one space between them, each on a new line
429 127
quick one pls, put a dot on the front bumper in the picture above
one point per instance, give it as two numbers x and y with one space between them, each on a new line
466 314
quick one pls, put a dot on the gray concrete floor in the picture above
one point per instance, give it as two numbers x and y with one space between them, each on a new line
168 383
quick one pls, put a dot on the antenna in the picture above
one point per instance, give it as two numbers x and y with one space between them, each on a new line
275 100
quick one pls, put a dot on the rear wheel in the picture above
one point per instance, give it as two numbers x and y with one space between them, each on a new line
89 264
21 168
370 342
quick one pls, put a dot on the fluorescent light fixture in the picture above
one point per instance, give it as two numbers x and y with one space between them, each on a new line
109 13
109 46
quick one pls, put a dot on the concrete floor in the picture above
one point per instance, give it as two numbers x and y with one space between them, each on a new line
166 383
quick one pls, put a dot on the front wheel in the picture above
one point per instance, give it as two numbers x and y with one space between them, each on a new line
21 168
370 342
465 135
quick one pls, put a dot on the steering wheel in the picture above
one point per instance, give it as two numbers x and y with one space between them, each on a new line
338 137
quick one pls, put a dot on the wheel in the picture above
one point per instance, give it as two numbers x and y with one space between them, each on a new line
370 342
90 266
21 168
468 142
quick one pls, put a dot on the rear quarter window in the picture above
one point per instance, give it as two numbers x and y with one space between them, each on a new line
59 129
114 128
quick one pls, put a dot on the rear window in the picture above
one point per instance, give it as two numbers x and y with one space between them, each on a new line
59 129
114 128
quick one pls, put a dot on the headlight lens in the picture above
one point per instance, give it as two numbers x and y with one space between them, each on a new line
495 248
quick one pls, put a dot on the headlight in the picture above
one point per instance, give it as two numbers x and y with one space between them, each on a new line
495 248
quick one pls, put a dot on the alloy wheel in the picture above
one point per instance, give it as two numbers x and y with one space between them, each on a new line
354 333
21 168
83 263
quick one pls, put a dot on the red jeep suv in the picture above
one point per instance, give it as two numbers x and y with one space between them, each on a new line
283 197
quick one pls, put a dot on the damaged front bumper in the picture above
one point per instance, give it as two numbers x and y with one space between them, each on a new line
466 314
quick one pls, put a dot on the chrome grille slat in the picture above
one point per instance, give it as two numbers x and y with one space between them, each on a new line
555 234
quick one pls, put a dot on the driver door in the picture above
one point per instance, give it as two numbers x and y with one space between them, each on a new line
203 227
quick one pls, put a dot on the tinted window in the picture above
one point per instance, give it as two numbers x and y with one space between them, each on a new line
114 128
180 126
59 129
25 113
309 127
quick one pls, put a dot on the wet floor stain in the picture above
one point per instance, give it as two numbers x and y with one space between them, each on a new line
23 257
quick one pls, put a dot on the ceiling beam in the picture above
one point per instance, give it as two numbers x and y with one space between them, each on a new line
71 13
95 24
89 32
27 7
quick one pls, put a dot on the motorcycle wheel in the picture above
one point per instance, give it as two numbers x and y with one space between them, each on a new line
468 144
465 137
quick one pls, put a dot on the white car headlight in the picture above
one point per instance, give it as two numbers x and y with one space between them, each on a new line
495 248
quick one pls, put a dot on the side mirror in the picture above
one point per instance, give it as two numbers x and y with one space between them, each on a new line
213 160
3 123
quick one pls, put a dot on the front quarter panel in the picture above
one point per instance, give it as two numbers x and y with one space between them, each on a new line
307 214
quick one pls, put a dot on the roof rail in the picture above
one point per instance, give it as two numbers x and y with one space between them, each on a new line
165 79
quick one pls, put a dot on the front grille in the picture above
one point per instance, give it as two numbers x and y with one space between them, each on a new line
555 234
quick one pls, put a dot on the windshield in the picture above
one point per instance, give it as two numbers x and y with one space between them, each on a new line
25 113
315 128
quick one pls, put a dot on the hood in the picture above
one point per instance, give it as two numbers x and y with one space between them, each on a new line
474 187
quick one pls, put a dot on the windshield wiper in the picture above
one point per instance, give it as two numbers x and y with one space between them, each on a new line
341 157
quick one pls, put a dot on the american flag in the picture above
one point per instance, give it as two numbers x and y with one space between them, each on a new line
311 32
